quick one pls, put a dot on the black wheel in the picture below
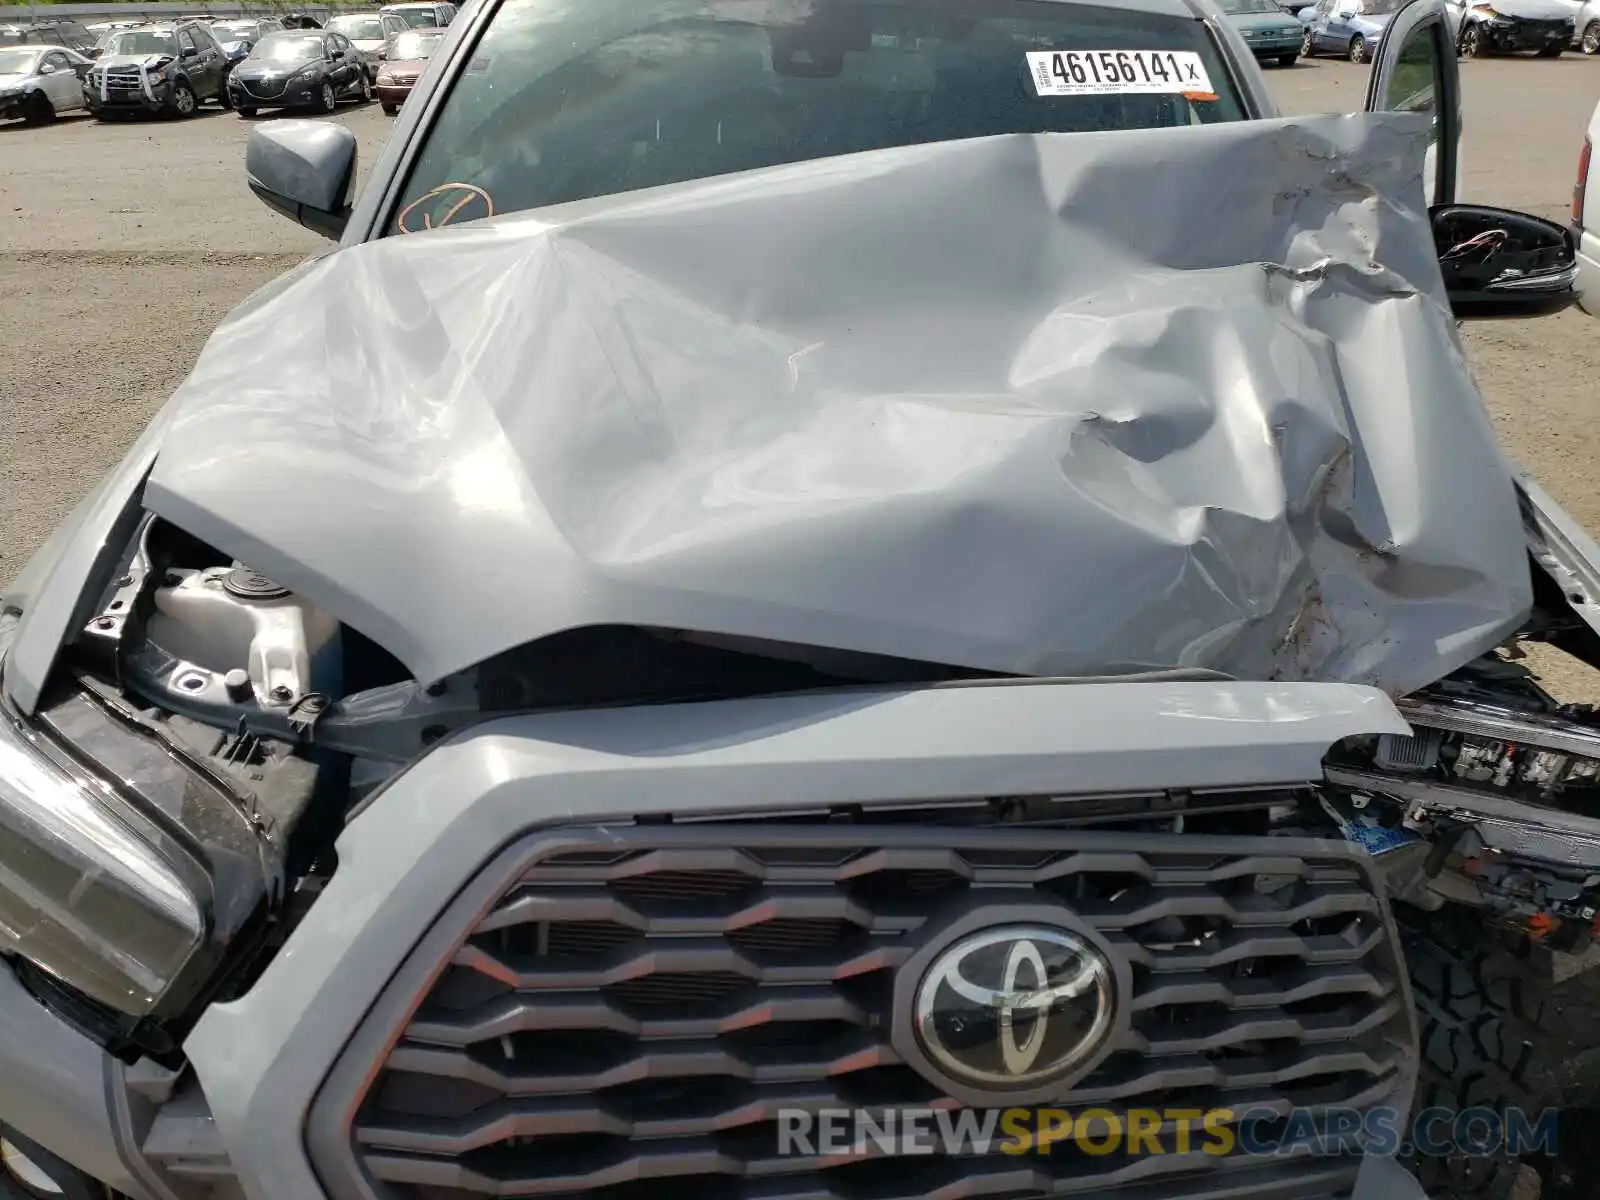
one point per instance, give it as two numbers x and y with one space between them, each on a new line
224 99
1484 1011
1306 48
1472 42
1287 60
38 110
1358 49
391 109
1590 42
183 100
245 110
366 88
326 100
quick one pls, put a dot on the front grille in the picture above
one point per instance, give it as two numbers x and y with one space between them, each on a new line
264 89
628 1018
124 80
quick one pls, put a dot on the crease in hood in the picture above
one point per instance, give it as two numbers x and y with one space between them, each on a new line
1056 404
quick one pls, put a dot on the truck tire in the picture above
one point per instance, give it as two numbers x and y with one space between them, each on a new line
1479 1009
37 109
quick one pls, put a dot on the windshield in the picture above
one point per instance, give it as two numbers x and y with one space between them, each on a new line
18 61
1244 8
568 101
143 41
358 29
231 31
414 45
417 18
288 47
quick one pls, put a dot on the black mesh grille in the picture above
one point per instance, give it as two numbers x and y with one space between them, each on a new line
630 1020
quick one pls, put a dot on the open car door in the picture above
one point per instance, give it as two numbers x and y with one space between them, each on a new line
1415 70
1494 261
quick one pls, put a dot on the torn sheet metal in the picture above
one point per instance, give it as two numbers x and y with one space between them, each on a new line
1061 404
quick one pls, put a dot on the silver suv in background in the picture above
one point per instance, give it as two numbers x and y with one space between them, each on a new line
158 69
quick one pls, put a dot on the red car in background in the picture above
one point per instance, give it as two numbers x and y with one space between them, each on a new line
407 59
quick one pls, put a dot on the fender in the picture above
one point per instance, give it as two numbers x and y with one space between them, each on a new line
1568 564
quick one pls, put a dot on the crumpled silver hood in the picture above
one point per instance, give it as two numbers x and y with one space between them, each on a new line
1051 405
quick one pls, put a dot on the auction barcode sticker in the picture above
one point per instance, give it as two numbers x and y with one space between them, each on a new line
1120 72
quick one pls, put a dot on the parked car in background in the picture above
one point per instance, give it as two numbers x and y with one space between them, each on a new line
296 68
409 53
369 33
422 15
38 82
1350 28
1586 219
1546 27
53 32
157 69
238 35
1270 33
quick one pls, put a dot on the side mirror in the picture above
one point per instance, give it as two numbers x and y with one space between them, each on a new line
189 52
1497 262
47 68
305 170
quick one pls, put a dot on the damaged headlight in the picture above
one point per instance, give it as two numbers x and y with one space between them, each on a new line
93 891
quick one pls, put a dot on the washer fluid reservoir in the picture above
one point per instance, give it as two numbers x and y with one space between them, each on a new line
229 618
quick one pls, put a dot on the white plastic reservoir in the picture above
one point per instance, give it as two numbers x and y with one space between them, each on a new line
227 618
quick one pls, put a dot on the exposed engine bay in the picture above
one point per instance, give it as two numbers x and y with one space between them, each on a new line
254 725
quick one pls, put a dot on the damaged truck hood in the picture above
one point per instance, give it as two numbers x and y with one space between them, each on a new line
1046 405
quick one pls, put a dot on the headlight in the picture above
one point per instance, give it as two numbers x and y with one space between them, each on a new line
92 890
158 77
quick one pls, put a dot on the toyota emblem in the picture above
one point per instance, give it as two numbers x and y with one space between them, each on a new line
1014 1007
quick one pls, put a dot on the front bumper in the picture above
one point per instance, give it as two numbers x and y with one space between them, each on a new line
294 95
156 100
269 1061
1275 44
1510 35
393 93
62 1091
11 107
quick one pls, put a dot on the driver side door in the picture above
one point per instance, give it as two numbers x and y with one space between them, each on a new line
1415 71
60 82
340 70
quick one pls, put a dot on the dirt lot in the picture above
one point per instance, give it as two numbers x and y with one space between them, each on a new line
122 245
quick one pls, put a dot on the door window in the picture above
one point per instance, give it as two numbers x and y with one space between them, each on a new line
186 42
58 60
330 45
1414 76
